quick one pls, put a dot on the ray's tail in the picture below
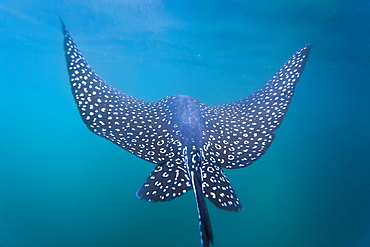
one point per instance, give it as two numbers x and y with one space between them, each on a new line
206 233
205 227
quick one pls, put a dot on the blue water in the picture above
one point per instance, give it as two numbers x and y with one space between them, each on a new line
60 185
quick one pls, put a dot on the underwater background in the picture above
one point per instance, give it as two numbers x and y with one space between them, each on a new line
60 185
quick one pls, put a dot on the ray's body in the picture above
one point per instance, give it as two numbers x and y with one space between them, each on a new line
188 141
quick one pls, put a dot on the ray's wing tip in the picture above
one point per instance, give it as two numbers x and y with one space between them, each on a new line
61 20
64 28
306 49
303 54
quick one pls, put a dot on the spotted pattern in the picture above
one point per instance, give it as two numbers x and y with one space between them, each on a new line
139 127
189 142
240 132
166 182
217 188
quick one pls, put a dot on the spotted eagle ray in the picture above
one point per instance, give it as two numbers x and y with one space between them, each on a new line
189 142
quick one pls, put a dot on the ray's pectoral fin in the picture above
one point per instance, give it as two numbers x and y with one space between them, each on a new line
240 132
135 125
232 135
